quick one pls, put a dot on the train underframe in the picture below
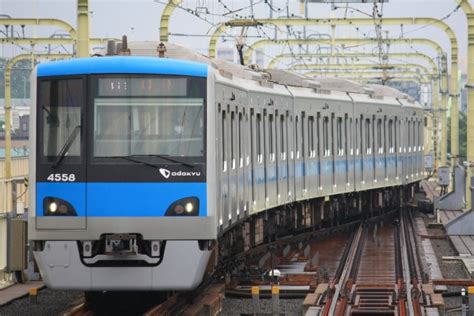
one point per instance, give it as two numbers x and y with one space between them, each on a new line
311 215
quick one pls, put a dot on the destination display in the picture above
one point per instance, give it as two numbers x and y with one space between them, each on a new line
139 87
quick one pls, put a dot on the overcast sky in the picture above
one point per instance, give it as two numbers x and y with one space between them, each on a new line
140 20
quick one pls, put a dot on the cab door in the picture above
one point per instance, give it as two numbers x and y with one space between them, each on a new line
60 159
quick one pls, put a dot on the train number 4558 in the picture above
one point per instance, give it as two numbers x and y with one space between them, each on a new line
62 177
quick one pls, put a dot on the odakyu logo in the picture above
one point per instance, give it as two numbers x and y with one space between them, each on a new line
166 173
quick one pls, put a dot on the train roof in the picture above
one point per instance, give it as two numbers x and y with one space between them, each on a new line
122 64
343 85
175 51
290 78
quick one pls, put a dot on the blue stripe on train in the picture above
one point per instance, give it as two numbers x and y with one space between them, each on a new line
121 199
122 65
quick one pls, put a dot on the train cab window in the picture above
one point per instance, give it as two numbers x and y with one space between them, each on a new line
60 104
326 136
135 115
311 151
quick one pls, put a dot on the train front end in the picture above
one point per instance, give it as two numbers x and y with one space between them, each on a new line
118 174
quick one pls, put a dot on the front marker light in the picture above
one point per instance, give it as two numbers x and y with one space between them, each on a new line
179 209
189 207
54 206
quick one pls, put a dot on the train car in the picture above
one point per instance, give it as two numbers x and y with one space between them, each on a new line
141 165
119 172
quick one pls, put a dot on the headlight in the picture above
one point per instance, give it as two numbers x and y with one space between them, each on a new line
189 207
53 207
57 207
184 207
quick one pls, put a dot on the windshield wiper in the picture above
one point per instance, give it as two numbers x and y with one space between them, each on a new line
128 158
166 157
67 145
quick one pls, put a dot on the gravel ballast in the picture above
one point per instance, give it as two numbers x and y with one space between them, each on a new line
49 302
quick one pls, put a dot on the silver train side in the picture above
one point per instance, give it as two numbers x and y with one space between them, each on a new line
273 139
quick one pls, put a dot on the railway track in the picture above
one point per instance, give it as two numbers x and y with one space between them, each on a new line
380 273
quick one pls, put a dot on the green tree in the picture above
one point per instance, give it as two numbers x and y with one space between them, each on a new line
20 78
462 135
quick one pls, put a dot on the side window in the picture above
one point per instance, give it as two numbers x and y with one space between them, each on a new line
367 136
332 148
311 151
340 150
223 141
348 134
302 135
379 135
357 136
240 147
390 136
259 138
318 139
271 137
282 138
326 136
232 139
297 131
409 135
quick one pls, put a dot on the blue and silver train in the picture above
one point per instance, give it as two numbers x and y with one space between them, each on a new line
142 166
